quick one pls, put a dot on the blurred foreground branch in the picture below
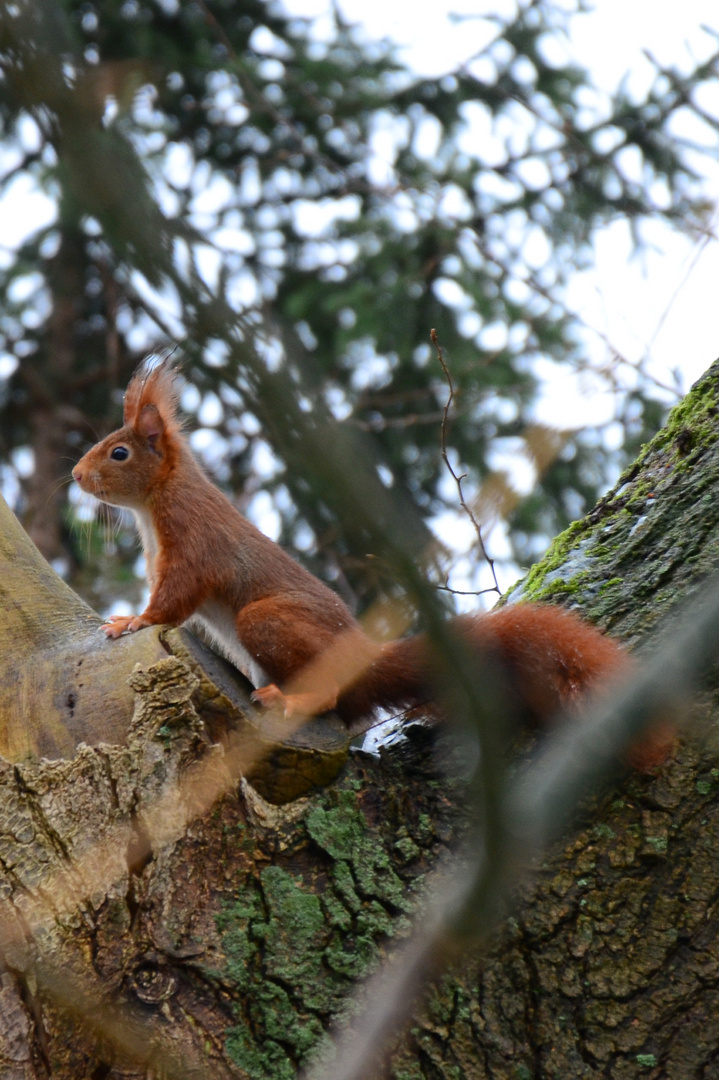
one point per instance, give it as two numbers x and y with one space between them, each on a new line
468 897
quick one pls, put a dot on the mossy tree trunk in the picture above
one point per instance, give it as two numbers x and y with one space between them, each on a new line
143 933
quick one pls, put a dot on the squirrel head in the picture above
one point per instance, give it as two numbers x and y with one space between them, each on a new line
131 463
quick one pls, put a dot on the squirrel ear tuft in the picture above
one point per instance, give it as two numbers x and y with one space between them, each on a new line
154 385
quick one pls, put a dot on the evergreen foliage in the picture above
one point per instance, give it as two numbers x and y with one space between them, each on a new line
296 207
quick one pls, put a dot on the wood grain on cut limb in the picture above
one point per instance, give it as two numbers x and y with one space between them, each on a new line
198 930
59 685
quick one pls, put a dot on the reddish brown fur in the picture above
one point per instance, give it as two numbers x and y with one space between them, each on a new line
198 546
273 618
153 387
550 657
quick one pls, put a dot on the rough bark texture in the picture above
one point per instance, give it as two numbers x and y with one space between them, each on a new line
237 936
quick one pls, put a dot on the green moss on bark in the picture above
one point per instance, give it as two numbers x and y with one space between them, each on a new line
306 928
651 538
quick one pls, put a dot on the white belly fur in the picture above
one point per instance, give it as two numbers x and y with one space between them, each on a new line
218 622
215 618
146 529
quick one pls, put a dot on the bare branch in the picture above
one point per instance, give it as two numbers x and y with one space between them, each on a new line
459 478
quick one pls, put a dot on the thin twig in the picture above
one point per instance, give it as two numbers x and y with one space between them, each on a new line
464 592
459 478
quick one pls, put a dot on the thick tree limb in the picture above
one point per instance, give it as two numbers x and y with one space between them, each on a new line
236 935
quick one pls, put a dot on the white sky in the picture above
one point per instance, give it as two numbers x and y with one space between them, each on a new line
661 306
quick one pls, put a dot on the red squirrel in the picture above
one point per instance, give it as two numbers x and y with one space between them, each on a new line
291 635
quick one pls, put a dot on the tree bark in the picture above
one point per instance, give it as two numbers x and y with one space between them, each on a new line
160 919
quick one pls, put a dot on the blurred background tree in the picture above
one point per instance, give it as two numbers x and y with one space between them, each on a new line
297 212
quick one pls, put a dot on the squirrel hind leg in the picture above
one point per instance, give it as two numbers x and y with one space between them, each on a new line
310 703
269 697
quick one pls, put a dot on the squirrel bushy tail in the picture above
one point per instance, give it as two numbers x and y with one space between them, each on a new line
549 658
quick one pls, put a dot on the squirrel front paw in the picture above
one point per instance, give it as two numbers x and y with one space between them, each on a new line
118 624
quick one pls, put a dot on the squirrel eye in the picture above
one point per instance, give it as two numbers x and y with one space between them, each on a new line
120 453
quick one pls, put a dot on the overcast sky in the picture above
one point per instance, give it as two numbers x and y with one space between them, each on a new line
662 306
